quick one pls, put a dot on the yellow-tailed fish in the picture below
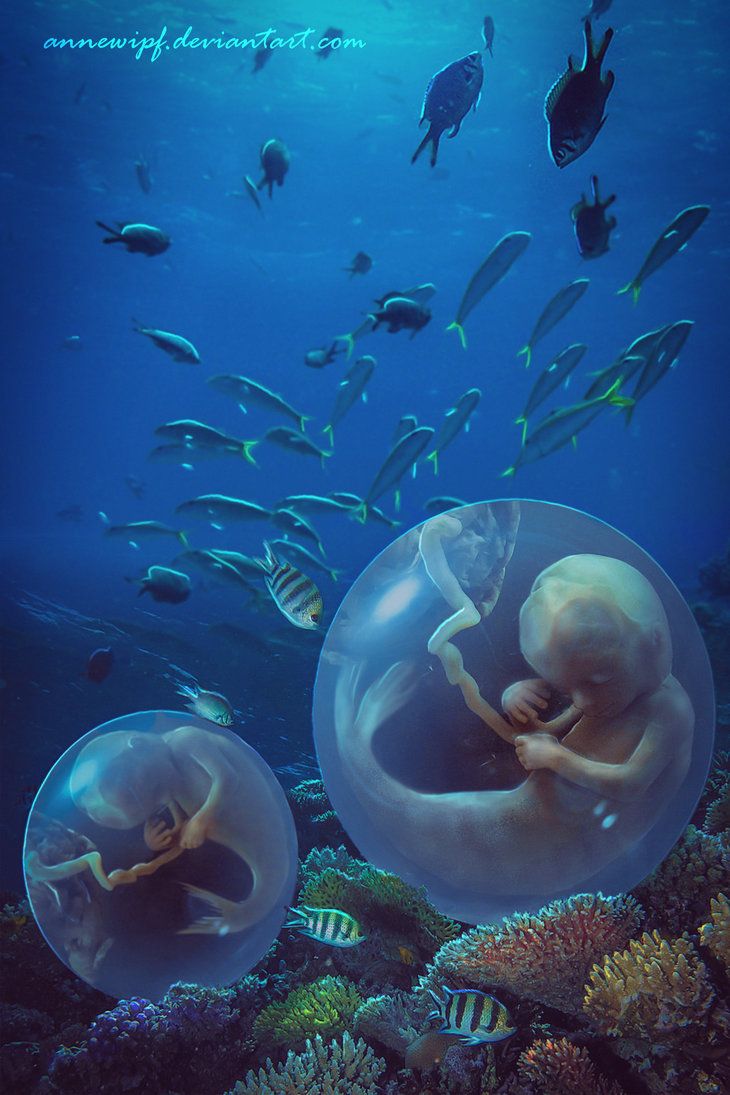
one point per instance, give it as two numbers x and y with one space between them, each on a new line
493 269
553 312
457 418
673 239
551 378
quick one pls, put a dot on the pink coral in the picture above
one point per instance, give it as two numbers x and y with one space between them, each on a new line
555 1066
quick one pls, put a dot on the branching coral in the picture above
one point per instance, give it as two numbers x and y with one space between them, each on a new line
657 1000
349 1068
554 1066
310 797
678 893
716 934
395 1020
323 1007
546 957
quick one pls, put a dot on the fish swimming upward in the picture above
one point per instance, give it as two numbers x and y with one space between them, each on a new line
575 103
450 95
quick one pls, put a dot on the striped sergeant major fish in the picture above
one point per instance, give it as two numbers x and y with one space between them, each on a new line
331 926
294 594
475 1016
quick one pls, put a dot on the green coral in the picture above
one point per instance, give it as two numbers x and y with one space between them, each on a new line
678 892
545 957
323 1007
350 1068
311 798
386 906
716 934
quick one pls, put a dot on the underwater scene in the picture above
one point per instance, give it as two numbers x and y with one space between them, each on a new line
365 548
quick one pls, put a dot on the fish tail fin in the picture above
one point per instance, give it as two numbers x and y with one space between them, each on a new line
349 340
527 351
335 575
600 53
114 235
632 287
247 447
183 538
322 457
304 418
330 434
360 513
434 458
456 326
508 473
432 139
522 421
296 918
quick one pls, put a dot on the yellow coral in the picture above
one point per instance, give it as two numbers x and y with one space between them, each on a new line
654 992
323 1007
716 934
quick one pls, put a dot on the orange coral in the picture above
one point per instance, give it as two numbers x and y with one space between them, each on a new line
557 1067
546 957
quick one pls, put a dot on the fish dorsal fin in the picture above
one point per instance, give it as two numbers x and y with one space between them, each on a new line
557 90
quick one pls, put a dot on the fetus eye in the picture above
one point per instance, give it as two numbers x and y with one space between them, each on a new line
600 678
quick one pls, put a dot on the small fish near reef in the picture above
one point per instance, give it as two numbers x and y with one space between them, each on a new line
165 585
475 1016
100 664
207 705
450 95
575 103
674 238
294 594
331 926
140 239
591 225
401 314
361 264
275 160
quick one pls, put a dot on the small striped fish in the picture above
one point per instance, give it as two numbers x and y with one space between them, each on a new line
331 926
476 1016
293 593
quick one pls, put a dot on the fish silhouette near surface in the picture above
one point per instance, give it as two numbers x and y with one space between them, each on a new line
450 95
591 225
575 103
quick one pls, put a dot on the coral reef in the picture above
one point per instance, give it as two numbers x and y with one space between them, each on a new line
323 1007
403 928
677 894
658 1003
554 1066
395 1021
349 1068
315 820
715 935
546 957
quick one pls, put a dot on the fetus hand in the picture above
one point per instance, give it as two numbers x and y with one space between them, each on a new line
195 831
537 750
520 700
158 834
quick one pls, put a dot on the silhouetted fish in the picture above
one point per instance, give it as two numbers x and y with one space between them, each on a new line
591 225
450 95
100 663
575 103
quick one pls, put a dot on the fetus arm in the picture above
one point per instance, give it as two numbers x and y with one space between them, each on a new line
623 782
223 782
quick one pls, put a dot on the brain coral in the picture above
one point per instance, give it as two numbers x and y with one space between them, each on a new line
546 957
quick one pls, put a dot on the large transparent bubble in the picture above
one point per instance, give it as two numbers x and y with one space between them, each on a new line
434 782
160 848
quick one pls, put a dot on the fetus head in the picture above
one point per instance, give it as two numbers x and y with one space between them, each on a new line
121 778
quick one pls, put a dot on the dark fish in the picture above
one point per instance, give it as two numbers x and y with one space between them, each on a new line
142 171
450 95
70 513
575 103
261 56
475 1016
663 358
551 378
295 441
331 34
557 307
401 314
100 663
141 239
166 585
360 264
317 359
488 33
274 163
400 458
674 238
591 225
420 293
457 418
294 594
493 269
